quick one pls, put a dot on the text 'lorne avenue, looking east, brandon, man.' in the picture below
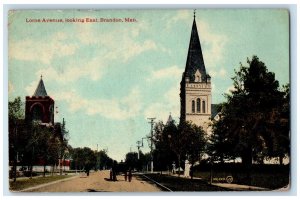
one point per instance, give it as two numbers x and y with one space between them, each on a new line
80 20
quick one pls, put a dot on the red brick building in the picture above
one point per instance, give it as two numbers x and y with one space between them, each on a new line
40 106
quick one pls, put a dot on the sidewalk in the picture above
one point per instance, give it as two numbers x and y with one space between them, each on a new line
238 187
46 184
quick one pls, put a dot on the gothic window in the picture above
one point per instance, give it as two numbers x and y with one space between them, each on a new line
37 113
198 105
203 106
193 106
197 76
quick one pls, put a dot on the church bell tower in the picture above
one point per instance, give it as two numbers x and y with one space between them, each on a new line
195 86
40 106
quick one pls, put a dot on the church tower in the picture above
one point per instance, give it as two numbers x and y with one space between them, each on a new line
40 106
195 86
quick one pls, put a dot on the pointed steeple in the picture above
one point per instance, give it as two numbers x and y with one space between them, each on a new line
40 91
195 60
170 119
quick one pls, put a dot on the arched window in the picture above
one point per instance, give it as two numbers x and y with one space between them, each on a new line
198 105
37 113
193 106
203 106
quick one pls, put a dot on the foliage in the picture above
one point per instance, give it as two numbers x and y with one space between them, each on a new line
175 142
250 121
31 142
164 156
15 109
105 162
83 158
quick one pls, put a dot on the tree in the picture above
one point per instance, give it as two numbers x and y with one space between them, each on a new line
63 135
16 128
249 116
197 142
105 161
219 146
164 156
131 160
84 158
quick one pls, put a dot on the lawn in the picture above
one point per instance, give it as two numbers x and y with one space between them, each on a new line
265 176
182 184
23 183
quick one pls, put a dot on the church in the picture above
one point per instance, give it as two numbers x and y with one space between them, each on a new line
40 106
195 86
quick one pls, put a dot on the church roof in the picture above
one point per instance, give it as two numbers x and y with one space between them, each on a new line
215 109
40 91
195 58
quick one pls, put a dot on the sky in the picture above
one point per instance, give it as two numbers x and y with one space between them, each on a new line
108 78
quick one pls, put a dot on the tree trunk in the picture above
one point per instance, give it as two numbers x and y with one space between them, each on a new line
191 170
31 171
179 165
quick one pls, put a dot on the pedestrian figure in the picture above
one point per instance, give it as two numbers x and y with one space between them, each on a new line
125 174
129 175
114 171
87 170
110 175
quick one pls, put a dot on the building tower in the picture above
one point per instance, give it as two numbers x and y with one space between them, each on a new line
40 106
195 86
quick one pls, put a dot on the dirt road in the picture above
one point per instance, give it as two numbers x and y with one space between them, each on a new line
99 182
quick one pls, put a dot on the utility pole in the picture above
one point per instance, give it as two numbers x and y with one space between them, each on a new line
151 141
139 145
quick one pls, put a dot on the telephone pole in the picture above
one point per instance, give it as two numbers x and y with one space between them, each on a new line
139 145
151 141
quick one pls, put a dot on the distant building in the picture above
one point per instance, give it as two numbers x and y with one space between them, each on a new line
40 106
195 86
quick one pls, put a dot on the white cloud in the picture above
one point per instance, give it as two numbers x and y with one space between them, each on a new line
218 74
92 69
181 15
118 109
42 50
31 88
213 44
170 103
120 44
169 72
230 89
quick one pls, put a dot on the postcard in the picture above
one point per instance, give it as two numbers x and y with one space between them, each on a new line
149 100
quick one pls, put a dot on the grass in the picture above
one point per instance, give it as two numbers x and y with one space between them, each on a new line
265 180
23 183
183 184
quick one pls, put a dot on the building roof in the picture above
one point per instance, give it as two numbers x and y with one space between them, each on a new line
40 91
195 58
215 109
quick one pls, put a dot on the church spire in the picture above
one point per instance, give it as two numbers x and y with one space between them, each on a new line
195 60
40 91
170 119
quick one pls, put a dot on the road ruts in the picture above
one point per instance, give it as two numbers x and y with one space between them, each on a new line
99 182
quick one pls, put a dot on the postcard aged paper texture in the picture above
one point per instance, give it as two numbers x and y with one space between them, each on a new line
149 100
